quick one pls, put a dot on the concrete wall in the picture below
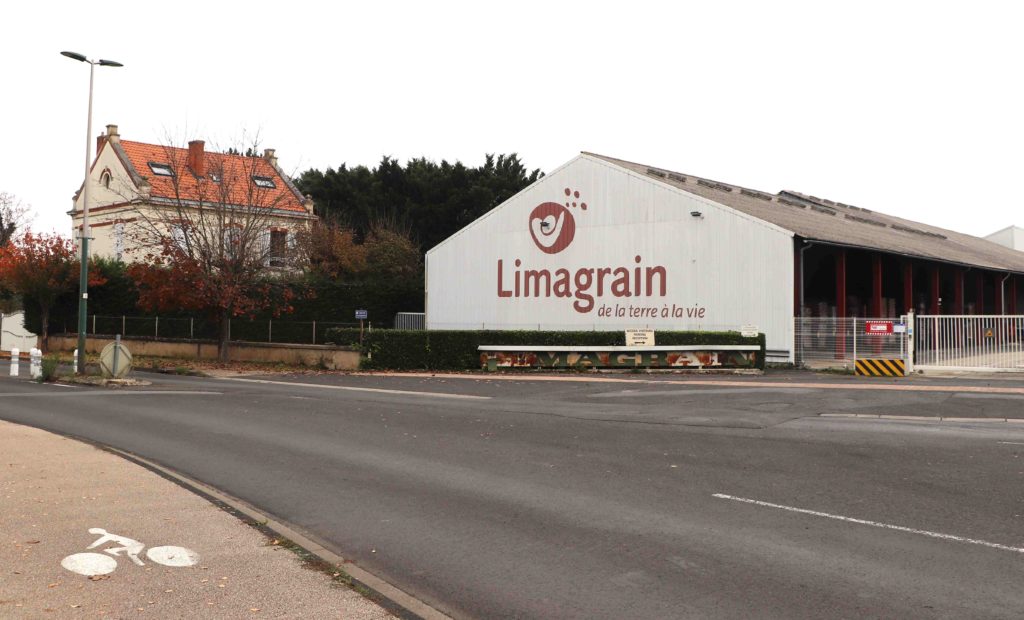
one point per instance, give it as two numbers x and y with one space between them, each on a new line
330 357
14 334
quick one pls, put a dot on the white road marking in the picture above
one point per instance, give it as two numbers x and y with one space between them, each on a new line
1012 443
80 394
887 526
89 564
998 396
173 556
700 392
360 389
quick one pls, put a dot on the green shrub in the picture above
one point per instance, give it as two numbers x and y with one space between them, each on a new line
49 366
457 349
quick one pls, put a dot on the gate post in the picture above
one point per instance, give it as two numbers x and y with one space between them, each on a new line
855 341
910 342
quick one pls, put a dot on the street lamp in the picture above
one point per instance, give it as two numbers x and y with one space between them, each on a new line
83 282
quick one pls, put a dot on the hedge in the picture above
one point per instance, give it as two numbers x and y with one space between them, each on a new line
394 349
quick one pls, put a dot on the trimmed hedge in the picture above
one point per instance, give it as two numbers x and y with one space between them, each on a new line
395 349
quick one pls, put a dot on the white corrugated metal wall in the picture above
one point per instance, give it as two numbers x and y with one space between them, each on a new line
737 269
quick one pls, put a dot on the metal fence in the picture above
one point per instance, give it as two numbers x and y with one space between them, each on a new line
410 320
240 330
969 342
823 342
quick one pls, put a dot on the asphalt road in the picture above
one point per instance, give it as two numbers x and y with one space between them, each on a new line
592 499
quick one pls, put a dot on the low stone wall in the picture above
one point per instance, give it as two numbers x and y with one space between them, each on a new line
315 355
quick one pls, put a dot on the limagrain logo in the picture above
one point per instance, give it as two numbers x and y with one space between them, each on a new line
552 225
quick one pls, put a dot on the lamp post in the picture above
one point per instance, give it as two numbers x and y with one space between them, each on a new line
83 281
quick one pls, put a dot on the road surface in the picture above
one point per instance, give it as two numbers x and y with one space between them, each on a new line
633 498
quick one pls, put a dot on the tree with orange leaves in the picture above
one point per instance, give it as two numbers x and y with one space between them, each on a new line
41 268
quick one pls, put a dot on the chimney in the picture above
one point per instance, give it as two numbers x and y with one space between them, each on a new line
197 158
268 154
111 135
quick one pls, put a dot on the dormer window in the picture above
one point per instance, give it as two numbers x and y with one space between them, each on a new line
161 170
264 182
215 177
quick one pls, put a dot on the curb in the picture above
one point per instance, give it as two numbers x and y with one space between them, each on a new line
920 418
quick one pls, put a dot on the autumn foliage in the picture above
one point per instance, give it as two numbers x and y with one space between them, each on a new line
41 268
222 287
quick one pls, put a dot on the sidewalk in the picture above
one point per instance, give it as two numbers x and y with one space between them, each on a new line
53 490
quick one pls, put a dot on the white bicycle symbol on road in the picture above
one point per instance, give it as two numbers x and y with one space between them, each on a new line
91 564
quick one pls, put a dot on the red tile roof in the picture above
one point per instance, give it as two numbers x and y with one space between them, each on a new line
235 171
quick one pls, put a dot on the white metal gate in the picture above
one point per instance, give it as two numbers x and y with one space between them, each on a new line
982 343
823 342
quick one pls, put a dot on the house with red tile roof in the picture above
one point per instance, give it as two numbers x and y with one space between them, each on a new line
141 193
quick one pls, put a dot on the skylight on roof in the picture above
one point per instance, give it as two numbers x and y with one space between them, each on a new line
263 181
162 170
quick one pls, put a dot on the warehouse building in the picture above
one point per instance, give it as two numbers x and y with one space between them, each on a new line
606 244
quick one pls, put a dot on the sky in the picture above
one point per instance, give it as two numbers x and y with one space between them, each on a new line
915 109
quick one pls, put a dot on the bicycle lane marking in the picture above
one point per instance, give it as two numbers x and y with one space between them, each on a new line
93 564
887 526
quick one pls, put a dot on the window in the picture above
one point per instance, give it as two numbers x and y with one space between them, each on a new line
161 170
215 177
263 182
178 236
278 243
105 179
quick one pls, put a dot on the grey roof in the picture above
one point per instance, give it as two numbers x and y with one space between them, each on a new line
817 219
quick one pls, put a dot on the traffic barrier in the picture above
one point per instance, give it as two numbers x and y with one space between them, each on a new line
881 367
35 363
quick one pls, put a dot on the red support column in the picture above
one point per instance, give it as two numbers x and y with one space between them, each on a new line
908 287
841 301
876 286
999 295
841 283
958 291
979 307
934 309
1012 302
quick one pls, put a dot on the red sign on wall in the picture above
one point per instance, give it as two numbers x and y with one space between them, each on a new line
878 327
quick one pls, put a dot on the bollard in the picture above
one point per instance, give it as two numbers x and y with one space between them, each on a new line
14 361
35 366
74 358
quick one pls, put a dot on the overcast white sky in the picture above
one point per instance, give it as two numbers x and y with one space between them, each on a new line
911 108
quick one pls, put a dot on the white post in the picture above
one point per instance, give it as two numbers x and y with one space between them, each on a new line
74 358
35 363
854 341
15 353
910 342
